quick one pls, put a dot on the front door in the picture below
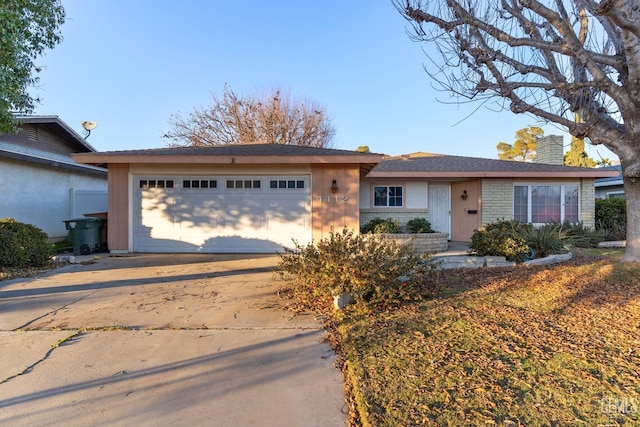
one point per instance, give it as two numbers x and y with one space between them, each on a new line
440 208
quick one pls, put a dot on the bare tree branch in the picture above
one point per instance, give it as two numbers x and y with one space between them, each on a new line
270 118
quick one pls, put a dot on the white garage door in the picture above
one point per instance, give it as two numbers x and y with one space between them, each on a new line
220 214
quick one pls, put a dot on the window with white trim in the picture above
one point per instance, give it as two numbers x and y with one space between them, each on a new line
540 204
616 195
387 196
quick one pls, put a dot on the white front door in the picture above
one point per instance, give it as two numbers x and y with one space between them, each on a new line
440 208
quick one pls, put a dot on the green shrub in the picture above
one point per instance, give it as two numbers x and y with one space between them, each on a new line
500 238
419 225
379 225
545 240
22 245
611 218
580 236
366 267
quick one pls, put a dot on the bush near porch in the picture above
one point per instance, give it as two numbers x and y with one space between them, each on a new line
416 233
518 241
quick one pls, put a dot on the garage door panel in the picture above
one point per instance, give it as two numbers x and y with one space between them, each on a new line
260 219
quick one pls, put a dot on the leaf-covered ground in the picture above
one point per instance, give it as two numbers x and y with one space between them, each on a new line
555 345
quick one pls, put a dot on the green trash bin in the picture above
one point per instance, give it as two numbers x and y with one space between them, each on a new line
84 234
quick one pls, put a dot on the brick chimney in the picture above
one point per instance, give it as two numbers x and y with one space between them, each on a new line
550 150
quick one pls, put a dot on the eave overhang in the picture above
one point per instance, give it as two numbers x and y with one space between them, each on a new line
53 163
493 174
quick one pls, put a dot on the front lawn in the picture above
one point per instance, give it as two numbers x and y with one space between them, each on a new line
548 345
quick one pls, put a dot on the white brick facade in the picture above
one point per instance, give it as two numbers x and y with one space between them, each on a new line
587 203
497 200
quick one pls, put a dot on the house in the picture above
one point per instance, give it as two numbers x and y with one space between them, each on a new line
610 187
258 197
461 194
233 198
40 183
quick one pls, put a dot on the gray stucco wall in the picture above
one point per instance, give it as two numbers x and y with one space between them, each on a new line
40 195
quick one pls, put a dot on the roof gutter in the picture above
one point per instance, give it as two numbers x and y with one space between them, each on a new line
54 163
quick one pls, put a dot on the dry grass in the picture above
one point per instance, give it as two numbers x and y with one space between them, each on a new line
555 345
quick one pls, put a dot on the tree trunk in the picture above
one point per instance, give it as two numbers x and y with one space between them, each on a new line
632 194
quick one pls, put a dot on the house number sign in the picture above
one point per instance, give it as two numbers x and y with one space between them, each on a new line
332 199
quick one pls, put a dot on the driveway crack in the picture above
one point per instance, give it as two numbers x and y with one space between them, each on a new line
54 311
46 356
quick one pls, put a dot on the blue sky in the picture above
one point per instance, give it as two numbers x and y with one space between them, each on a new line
130 64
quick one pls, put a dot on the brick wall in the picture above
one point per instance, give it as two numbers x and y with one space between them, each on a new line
587 203
497 200
424 243
549 150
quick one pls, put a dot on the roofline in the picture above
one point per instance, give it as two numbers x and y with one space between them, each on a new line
101 158
54 163
609 183
57 121
493 174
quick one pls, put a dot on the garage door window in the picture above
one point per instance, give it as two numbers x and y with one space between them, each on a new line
243 183
286 184
199 183
156 183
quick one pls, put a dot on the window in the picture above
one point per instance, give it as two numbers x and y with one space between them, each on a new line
246 183
152 183
199 183
540 204
289 184
384 196
616 195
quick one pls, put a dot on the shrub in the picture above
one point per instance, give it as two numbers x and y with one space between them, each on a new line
419 225
500 238
544 240
580 236
379 225
22 245
366 267
611 218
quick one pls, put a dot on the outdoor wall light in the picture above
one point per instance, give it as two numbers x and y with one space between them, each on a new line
334 186
464 195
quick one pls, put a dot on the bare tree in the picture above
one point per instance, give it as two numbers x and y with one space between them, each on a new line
271 118
550 59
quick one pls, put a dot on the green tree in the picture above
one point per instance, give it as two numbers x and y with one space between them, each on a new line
27 28
576 156
524 147
363 149
267 118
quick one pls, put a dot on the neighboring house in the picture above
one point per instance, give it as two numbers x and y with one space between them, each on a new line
39 181
461 194
610 187
258 197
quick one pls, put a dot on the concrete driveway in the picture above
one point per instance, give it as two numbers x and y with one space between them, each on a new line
162 340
